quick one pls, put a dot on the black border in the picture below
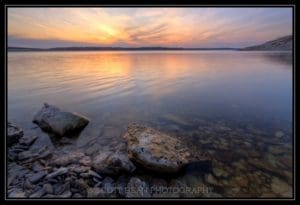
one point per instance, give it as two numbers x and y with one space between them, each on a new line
106 3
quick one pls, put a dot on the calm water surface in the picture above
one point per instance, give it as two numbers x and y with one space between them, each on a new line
237 103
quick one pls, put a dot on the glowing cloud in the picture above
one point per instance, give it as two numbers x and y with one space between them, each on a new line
176 27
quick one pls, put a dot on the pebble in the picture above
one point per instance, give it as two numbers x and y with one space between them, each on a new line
280 187
279 134
37 177
211 180
37 194
58 172
28 140
48 188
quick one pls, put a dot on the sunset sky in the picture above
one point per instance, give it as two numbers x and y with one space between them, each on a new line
135 27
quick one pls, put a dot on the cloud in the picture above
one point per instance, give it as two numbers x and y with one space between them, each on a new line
185 27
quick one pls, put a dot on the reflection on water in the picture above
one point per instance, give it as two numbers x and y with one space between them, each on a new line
235 105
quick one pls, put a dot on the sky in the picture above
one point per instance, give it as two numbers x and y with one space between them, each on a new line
136 27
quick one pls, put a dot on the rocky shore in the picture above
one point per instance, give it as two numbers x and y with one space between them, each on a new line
150 167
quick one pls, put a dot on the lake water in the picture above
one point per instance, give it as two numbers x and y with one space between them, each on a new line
235 105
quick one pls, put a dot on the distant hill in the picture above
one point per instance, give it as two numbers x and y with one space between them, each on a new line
111 49
283 44
22 49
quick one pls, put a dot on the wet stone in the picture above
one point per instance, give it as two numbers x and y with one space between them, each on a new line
48 188
241 181
136 188
37 194
58 172
279 134
280 187
158 151
28 140
70 158
26 155
14 133
66 194
37 167
95 192
36 177
211 180
28 185
52 119
108 162
77 195
17 193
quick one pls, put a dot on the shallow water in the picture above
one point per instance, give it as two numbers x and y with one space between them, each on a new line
235 105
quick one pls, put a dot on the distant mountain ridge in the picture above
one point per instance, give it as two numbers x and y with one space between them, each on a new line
283 44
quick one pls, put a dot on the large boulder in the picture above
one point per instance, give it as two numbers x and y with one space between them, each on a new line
14 133
109 162
158 151
52 119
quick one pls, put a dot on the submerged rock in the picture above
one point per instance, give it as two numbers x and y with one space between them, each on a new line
158 151
280 187
34 178
112 163
14 133
60 171
27 141
52 119
136 188
73 157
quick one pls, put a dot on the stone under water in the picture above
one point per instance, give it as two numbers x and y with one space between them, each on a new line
158 151
52 119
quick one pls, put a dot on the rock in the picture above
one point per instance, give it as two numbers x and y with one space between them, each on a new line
86 161
37 194
28 140
60 189
266 167
108 185
79 169
66 194
136 188
279 134
95 192
48 188
80 185
14 133
241 181
121 185
26 155
77 195
276 150
109 162
219 172
157 151
211 180
17 194
37 167
52 119
16 173
69 158
19 147
224 128
28 185
176 119
280 187
94 174
60 171
36 177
